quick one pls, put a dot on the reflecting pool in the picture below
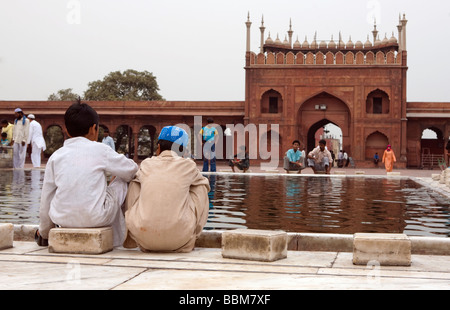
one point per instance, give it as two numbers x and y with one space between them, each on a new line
337 204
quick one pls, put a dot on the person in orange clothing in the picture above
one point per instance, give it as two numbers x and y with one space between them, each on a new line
389 159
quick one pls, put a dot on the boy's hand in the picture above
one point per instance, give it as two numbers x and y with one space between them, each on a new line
39 240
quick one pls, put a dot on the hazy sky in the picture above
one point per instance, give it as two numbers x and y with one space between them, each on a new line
196 48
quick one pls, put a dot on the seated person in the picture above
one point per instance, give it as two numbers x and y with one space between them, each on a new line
319 159
240 160
294 161
75 193
167 203
376 159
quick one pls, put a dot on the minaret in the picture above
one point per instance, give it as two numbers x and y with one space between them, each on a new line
375 31
262 28
400 38
404 22
290 33
248 24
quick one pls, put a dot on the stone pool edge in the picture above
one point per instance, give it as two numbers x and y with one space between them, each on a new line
322 242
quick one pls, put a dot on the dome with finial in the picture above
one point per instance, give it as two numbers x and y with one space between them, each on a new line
385 40
359 44
278 41
350 43
393 39
314 42
332 44
269 40
305 43
368 44
323 44
297 44
286 42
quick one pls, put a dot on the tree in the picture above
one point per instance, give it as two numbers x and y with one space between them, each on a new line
63 95
130 85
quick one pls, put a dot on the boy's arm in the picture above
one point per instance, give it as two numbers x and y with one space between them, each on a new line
120 166
47 195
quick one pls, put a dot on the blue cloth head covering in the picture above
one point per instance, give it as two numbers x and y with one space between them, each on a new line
174 134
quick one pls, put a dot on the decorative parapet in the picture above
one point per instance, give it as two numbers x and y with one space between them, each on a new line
328 58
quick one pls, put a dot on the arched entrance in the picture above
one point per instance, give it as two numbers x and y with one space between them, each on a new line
432 146
319 111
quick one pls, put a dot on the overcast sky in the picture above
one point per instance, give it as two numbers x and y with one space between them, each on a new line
196 48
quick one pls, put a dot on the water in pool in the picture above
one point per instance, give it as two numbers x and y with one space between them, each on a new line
342 205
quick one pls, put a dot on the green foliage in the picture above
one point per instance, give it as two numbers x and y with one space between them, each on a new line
131 85
63 95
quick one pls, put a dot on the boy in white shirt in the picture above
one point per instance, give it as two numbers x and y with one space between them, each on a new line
75 193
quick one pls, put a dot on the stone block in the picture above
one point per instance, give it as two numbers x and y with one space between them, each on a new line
393 173
252 244
360 172
435 177
386 249
80 240
6 236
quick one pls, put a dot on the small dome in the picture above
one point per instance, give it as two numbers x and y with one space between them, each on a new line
358 44
350 44
332 44
305 43
393 39
286 42
278 41
323 44
385 40
269 40
368 44
297 44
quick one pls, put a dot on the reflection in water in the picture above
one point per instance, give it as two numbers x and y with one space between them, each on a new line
328 205
20 193
292 203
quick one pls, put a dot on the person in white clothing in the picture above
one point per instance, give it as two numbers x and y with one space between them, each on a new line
21 132
37 141
75 193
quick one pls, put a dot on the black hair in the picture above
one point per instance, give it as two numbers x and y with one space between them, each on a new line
296 141
165 145
4 121
210 120
78 118
323 142
4 134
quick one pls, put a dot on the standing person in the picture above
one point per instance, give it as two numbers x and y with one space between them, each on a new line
36 140
389 159
8 129
208 135
108 140
75 193
319 159
167 203
21 132
294 161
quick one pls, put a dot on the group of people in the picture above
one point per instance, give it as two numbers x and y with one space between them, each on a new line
161 205
319 159
25 131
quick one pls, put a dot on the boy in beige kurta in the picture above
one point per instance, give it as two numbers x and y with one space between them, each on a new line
167 202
